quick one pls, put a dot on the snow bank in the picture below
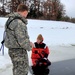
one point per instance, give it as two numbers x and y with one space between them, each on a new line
50 24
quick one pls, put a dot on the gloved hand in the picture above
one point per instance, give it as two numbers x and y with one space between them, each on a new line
36 52
45 54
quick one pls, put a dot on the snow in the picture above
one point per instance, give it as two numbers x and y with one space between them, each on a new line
59 36
0 4
54 32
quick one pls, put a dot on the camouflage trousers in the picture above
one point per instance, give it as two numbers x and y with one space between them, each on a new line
19 60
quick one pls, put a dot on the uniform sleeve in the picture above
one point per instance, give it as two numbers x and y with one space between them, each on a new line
22 36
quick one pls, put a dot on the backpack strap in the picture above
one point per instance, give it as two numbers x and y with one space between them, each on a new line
2 46
8 22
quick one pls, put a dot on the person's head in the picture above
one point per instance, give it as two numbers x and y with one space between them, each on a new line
22 10
39 38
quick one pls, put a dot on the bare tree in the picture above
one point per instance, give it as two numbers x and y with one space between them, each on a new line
53 9
45 9
2 7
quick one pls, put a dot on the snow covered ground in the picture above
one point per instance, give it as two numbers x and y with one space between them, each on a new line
59 36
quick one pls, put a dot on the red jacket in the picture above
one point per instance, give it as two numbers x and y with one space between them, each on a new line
39 49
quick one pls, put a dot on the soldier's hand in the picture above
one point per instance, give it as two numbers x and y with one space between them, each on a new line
32 44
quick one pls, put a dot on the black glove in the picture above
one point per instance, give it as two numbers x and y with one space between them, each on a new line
45 54
36 52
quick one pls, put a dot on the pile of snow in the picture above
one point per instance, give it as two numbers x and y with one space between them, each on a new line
55 33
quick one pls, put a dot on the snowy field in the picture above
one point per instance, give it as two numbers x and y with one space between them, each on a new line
59 36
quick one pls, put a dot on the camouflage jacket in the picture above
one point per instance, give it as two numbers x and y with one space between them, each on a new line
16 34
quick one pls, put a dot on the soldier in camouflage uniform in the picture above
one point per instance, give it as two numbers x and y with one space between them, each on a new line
17 41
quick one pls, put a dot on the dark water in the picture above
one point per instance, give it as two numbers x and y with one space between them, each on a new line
66 67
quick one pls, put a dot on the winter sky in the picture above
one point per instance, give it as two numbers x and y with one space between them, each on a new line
69 7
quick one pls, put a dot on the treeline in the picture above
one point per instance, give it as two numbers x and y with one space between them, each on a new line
38 9
68 19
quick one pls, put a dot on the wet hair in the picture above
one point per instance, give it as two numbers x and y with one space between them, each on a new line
22 8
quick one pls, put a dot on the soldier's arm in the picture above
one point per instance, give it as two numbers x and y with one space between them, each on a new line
22 36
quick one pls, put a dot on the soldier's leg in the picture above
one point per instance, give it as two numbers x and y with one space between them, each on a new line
20 61
20 68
